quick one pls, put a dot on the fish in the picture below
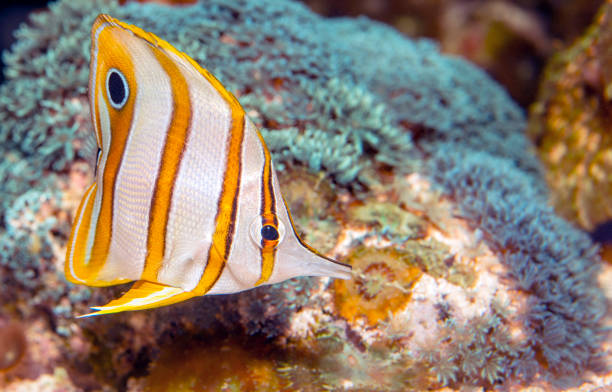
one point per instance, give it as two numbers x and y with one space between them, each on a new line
186 201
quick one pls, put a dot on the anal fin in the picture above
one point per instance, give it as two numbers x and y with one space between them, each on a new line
143 295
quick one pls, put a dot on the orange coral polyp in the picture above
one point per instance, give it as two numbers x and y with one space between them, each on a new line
381 287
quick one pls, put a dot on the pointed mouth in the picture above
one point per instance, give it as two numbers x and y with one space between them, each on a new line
319 265
341 271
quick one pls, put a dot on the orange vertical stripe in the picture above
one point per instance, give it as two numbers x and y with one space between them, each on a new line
174 147
268 215
225 220
228 200
82 220
115 56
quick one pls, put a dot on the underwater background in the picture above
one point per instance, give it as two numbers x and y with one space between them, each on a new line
475 214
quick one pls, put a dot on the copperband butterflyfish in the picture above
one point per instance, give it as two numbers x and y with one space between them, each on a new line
186 201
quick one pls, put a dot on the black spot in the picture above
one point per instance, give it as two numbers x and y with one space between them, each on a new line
603 233
116 88
269 233
97 161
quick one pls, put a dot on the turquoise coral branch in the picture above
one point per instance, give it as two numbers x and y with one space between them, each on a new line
330 97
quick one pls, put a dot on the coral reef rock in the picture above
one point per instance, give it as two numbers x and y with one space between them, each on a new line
408 164
570 125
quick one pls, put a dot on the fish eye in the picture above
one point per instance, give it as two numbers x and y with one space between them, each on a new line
269 233
117 88
264 234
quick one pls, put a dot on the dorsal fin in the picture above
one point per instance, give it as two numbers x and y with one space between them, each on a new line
159 43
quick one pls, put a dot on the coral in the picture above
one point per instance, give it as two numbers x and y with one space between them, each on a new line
333 102
335 365
392 153
359 125
548 258
43 111
268 311
13 345
570 125
225 365
58 380
409 233
510 39
28 350
27 242
313 203
389 217
434 258
476 352
381 286
447 99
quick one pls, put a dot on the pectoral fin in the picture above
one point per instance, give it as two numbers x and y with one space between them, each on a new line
143 295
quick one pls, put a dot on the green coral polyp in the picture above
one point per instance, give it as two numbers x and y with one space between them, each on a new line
313 204
390 218
474 352
376 276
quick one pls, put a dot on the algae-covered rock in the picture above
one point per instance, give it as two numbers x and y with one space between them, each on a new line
408 164
570 125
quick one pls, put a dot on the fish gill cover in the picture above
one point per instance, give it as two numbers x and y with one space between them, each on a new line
330 98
